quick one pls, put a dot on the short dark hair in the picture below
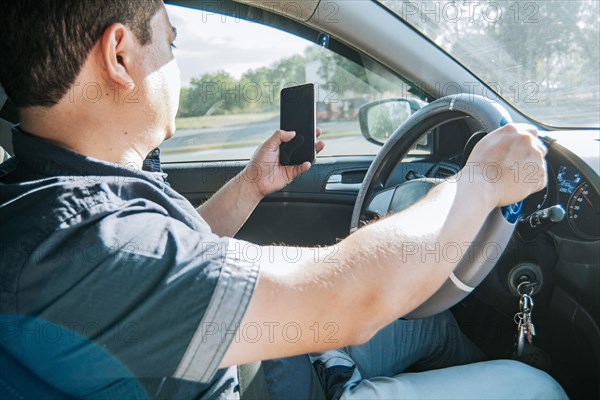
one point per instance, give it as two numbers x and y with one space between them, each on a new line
44 43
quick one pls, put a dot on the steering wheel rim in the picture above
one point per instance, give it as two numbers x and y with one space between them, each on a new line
500 223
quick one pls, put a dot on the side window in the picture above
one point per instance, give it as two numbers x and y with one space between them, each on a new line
232 71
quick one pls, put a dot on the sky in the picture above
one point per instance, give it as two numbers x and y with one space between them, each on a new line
207 42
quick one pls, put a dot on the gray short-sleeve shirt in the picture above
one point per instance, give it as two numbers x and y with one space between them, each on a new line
118 275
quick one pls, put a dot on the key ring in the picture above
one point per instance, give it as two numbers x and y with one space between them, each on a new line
526 284
520 316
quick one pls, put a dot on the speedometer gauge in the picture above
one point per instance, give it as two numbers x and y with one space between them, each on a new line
583 212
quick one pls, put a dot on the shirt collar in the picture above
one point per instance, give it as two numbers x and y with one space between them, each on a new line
50 159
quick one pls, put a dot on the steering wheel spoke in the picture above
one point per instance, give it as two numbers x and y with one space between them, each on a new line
399 197
379 206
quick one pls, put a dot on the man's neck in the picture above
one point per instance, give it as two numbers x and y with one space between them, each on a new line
111 142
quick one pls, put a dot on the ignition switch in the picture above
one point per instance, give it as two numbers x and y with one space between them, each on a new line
525 272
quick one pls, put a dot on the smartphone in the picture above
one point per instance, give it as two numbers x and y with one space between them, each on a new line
298 113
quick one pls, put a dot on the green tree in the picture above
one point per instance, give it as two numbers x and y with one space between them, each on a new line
261 86
217 93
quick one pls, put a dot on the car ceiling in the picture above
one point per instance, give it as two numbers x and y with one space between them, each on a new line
300 10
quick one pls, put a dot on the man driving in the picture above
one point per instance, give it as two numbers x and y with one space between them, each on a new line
114 285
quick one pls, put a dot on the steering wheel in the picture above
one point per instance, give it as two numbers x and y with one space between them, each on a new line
372 198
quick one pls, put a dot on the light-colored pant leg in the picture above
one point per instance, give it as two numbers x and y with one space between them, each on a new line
498 379
421 345
435 345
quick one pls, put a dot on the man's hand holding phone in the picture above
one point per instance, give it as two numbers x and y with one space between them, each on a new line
292 149
265 170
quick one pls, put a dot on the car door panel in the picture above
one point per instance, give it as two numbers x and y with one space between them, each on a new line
309 211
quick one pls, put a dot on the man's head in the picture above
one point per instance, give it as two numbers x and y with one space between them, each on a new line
97 63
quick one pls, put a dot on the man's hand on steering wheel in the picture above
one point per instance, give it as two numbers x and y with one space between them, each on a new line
493 158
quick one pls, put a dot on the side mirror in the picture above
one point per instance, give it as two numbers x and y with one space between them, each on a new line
379 119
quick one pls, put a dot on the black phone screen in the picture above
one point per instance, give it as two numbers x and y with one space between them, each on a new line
298 114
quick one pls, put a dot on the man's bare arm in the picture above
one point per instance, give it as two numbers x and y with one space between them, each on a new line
228 209
382 271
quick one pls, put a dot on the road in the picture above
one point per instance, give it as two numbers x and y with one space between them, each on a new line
239 142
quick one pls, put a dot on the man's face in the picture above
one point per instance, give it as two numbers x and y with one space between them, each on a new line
161 82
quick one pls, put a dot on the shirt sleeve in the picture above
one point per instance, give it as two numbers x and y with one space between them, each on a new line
164 299
223 315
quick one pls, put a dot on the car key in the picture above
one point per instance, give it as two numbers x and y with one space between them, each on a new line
520 345
530 331
526 305
525 327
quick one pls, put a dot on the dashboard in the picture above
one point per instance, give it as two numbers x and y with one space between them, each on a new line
569 187
580 201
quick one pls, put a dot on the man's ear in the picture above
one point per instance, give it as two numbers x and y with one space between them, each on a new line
117 47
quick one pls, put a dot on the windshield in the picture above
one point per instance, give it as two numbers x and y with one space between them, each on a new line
540 56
